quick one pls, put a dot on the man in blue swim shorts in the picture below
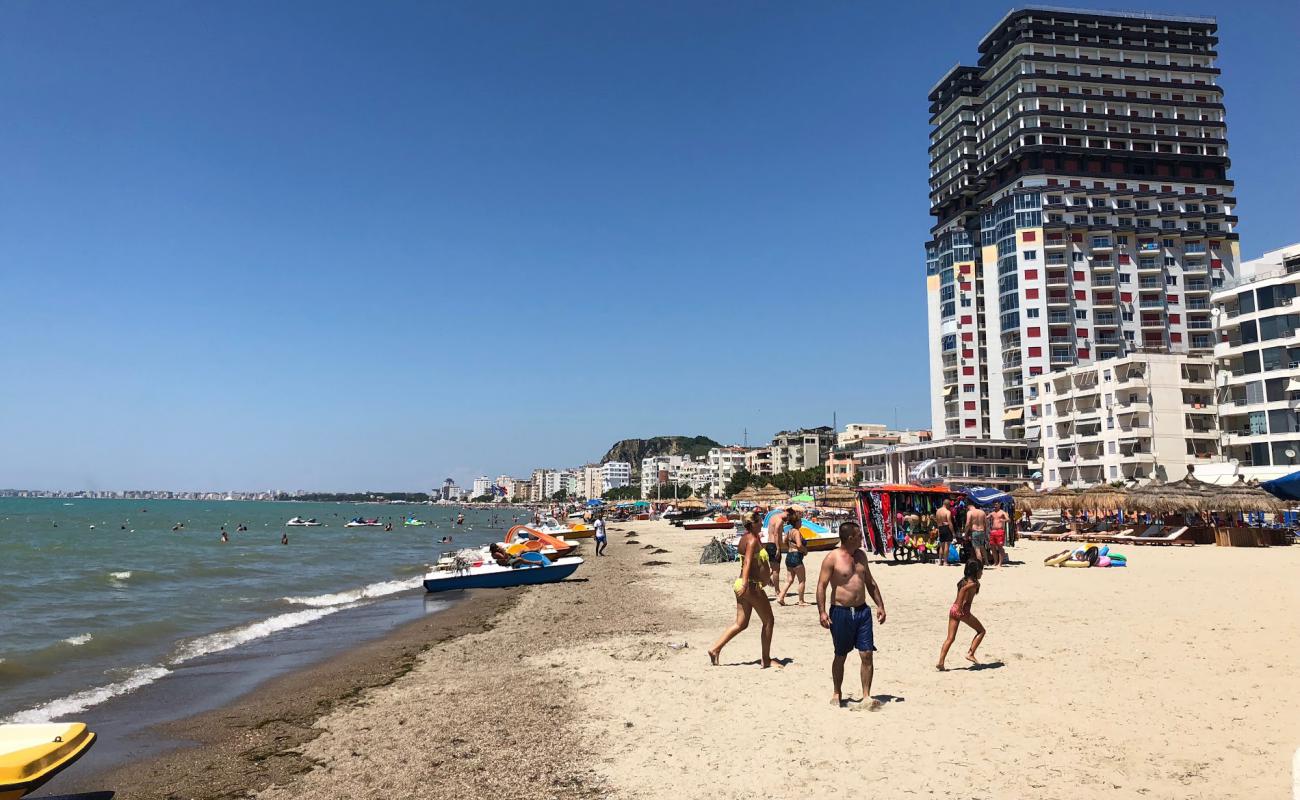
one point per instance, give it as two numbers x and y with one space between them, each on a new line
846 571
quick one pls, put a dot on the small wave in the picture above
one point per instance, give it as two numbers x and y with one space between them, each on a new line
80 701
78 640
120 576
216 642
353 595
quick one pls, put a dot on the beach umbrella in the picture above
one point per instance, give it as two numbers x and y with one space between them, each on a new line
1179 497
1026 498
1286 487
801 498
595 502
1242 498
691 502
838 497
1102 497
748 493
1060 498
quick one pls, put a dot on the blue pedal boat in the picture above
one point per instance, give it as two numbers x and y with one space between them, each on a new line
492 576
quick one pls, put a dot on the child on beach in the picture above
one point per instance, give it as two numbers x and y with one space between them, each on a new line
750 591
967 588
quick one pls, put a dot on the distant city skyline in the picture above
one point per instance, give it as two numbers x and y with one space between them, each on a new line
331 247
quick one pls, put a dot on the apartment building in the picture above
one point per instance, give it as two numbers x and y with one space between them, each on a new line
660 471
758 460
1258 351
805 448
857 435
1141 416
615 475
482 485
725 462
1078 181
960 463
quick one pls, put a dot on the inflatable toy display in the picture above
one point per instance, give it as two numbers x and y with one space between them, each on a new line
1088 555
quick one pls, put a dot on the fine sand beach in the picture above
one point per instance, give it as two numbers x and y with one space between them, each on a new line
1173 678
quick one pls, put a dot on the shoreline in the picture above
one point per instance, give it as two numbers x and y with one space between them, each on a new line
249 743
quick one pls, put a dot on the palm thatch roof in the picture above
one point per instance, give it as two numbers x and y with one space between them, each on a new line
771 495
1059 498
690 502
1101 497
748 493
838 497
1181 496
1242 498
1026 498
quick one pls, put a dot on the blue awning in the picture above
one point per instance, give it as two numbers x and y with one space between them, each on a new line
985 497
1286 487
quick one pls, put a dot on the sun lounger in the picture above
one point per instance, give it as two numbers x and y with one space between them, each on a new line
1176 536
1153 530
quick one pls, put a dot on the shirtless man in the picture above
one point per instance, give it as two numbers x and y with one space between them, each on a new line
943 517
849 620
977 530
998 524
774 540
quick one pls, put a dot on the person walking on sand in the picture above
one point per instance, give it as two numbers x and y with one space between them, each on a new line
998 524
751 592
943 518
795 551
977 529
846 572
774 541
967 588
601 540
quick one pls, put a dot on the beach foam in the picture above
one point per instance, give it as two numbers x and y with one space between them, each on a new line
225 640
78 640
374 590
120 576
80 701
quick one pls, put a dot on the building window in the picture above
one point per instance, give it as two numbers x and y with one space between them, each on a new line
1029 255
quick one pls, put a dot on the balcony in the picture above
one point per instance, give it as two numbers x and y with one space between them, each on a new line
1152 303
1058 279
1105 321
1148 266
1055 242
1103 280
1060 299
1062 356
1198 304
1197 286
1199 324
1103 301
1151 283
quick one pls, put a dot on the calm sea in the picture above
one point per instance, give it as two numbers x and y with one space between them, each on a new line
101 597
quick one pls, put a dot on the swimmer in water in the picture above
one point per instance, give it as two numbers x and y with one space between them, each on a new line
284 538
224 538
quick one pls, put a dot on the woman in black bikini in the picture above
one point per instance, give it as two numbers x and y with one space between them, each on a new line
795 551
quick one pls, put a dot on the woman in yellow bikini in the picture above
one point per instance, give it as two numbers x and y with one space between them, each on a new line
750 591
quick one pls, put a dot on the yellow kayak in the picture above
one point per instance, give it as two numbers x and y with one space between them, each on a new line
32 754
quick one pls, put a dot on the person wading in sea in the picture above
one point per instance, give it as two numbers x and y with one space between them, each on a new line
846 572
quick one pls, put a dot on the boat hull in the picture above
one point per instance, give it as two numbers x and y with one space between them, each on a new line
498 578
32 754
708 526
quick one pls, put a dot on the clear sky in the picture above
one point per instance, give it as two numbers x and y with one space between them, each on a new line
325 245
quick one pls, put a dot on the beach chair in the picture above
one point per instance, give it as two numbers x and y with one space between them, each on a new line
1153 530
1177 536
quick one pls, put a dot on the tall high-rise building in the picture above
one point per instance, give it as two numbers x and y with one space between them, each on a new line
1078 181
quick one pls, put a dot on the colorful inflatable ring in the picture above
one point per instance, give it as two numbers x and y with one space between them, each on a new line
1073 563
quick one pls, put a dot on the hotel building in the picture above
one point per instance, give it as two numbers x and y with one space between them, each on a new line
960 463
1140 416
1078 181
1258 351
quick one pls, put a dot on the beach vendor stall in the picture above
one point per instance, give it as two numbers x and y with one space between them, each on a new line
878 505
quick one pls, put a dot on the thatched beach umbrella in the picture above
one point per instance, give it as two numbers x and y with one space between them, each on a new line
748 493
691 502
1242 498
1102 497
770 495
1157 497
1060 498
838 497
1026 498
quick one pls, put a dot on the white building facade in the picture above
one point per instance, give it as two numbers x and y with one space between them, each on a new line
482 485
1258 351
1142 416
959 463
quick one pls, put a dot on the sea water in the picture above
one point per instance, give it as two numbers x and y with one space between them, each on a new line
99 598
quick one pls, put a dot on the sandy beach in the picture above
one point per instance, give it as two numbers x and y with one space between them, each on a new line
1173 678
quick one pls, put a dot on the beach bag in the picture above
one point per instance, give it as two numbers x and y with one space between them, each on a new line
953 555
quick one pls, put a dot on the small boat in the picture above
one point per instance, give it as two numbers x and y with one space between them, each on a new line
299 522
689 513
522 538
719 523
362 522
490 575
32 754
412 522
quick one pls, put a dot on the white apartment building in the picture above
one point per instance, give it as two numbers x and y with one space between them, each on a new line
1140 416
1258 352
725 462
805 448
856 436
1081 204
615 475
482 485
660 470
959 463
758 460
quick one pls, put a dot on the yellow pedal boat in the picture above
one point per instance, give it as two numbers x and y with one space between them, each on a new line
32 754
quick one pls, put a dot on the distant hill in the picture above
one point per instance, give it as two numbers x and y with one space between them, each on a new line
633 450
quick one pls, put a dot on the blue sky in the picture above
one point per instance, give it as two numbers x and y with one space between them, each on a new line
355 245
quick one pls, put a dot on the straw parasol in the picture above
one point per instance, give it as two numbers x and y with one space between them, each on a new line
1157 497
1242 498
691 502
1026 498
770 495
748 493
838 497
1102 497
1059 498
